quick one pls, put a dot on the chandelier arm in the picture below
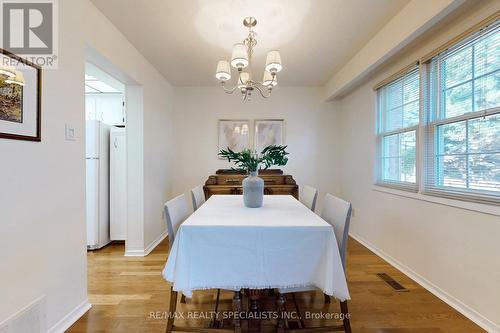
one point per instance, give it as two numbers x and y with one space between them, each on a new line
229 91
226 90
241 81
256 86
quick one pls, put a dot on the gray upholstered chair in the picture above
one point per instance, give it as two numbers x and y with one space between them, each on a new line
308 197
336 212
198 197
176 211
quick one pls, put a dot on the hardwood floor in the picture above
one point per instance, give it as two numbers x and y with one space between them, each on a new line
129 295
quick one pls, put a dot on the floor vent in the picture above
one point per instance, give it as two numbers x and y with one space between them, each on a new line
391 282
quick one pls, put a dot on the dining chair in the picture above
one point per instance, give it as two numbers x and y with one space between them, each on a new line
176 211
308 197
198 197
337 213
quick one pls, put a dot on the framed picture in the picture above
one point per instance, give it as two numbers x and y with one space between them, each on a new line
269 132
234 134
20 98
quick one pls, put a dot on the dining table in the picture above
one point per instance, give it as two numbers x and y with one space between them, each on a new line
281 245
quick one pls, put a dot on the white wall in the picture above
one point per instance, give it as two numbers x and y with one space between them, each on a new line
403 28
310 133
42 197
157 108
455 250
42 193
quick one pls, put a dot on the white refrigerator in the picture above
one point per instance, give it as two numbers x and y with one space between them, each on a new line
97 183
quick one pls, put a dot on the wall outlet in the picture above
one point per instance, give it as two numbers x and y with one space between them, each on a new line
4 328
70 132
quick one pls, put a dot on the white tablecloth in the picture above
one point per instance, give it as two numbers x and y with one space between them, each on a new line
280 245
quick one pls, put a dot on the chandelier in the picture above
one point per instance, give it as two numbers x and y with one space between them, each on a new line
241 60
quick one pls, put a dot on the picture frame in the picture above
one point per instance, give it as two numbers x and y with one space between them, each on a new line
234 134
20 98
268 132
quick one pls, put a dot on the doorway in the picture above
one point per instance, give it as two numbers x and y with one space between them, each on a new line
106 158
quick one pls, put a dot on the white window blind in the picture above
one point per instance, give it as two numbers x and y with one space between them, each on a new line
398 118
463 119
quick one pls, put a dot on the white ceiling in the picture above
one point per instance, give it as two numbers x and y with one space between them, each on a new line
98 81
185 39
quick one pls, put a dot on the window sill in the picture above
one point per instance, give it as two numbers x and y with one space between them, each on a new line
473 206
412 188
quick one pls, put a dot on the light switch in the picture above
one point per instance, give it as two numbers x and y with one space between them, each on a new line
70 133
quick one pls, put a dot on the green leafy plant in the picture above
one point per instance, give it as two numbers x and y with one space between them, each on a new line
250 161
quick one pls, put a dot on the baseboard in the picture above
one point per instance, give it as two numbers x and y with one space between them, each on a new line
134 253
464 309
62 325
155 243
148 249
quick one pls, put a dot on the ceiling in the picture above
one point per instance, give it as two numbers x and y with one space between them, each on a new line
95 86
99 82
185 39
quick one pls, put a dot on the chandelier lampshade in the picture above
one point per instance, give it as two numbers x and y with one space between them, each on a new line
239 58
273 62
243 80
18 79
268 79
223 72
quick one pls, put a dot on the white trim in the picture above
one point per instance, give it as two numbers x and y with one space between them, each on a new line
148 249
401 186
62 325
134 253
467 116
155 243
458 305
473 206
381 114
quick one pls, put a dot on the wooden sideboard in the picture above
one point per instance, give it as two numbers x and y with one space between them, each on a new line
229 182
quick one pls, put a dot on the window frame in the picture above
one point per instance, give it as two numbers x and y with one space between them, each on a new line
431 121
381 134
488 202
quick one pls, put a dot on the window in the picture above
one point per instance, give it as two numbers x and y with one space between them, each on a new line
398 119
463 119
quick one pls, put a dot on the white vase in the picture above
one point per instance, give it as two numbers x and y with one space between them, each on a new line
253 190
